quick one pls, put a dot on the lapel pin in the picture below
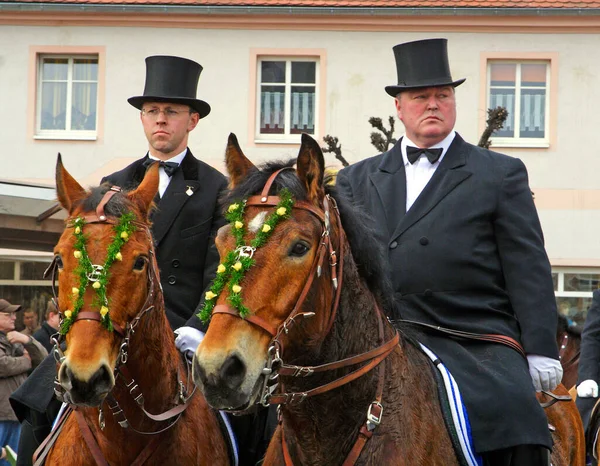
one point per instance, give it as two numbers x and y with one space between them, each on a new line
189 191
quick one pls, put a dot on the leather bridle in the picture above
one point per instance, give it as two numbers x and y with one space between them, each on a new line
121 371
272 390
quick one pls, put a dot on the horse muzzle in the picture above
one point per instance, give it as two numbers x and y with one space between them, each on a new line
89 390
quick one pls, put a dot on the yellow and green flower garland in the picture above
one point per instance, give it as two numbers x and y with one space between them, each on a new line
231 272
85 269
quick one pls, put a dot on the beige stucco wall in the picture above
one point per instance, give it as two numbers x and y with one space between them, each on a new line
359 63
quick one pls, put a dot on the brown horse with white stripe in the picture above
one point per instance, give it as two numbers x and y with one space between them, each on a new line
133 402
309 283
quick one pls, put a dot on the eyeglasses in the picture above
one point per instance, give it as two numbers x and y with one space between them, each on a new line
169 113
11 315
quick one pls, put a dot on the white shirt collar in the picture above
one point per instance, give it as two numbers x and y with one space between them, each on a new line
177 158
443 144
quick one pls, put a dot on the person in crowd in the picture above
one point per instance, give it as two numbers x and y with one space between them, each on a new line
466 252
588 373
184 225
19 353
49 327
30 320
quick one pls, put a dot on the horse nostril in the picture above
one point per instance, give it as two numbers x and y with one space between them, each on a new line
233 372
101 379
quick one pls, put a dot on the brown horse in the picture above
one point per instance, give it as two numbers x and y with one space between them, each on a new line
120 367
568 339
312 338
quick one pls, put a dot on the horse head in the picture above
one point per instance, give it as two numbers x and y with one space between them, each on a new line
278 243
105 264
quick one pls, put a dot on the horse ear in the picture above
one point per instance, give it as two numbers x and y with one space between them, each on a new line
237 164
68 190
310 167
147 189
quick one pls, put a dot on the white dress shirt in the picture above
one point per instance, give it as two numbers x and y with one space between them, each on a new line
419 173
164 178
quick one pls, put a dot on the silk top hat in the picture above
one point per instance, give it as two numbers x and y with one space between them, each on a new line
5 306
423 63
171 79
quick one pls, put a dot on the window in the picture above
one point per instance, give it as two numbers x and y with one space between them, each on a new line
22 282
67 96
522 87
287 97
573 289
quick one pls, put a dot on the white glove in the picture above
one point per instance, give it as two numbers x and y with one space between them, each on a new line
587 389
187 340
546 373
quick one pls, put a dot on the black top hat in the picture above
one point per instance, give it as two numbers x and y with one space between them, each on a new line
5 306
422 63
171 79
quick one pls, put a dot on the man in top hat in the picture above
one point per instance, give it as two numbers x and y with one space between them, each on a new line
466 252
18 354
183 227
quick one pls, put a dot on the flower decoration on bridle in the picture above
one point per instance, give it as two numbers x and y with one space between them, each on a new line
98 275
231 272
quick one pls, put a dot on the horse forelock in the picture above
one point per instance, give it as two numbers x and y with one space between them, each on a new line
358 225
118 205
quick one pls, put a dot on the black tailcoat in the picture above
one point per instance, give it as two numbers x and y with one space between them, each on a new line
183 228
469 255
589 362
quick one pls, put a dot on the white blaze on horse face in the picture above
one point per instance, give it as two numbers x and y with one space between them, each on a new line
257 222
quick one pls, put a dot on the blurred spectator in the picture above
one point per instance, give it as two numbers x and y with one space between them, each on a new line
49 327
18 354
30 320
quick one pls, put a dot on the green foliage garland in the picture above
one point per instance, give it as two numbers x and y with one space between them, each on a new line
85 269
231 272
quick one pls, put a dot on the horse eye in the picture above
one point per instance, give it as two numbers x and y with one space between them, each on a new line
140 263
299 249
59 262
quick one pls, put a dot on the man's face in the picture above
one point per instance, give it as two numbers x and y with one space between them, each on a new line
30 320
53 320
167 127
7 321
428 114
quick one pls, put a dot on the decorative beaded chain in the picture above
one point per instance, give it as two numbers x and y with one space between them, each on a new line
96 274
237 262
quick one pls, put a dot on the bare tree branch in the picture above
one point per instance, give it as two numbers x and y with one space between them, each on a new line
383 141
496 118
335 148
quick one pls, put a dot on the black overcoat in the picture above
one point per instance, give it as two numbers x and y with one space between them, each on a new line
469 255
589 361
183 227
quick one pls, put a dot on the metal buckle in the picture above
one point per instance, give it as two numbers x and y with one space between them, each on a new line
245 251
372 420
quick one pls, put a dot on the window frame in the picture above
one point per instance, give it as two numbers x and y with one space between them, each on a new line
551 61
319 56
36 54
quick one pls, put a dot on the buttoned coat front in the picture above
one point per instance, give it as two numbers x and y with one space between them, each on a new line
469 255
183 227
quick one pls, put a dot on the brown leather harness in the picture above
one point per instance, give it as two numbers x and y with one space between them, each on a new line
121 371
273 391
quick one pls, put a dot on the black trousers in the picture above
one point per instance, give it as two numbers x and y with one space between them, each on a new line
520 455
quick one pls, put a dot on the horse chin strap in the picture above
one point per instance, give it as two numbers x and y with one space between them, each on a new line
275 366
120 367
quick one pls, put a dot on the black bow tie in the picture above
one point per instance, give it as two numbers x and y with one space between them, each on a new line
169 167
413 154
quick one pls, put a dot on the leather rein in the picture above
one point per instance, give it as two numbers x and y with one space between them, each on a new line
273 391
121 372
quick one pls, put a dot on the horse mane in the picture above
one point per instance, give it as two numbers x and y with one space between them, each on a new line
358 225
565 326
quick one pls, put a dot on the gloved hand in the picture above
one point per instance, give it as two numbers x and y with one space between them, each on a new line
587 389
187 340
546 373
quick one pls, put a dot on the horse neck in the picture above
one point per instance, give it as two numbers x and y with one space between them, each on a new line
153 358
